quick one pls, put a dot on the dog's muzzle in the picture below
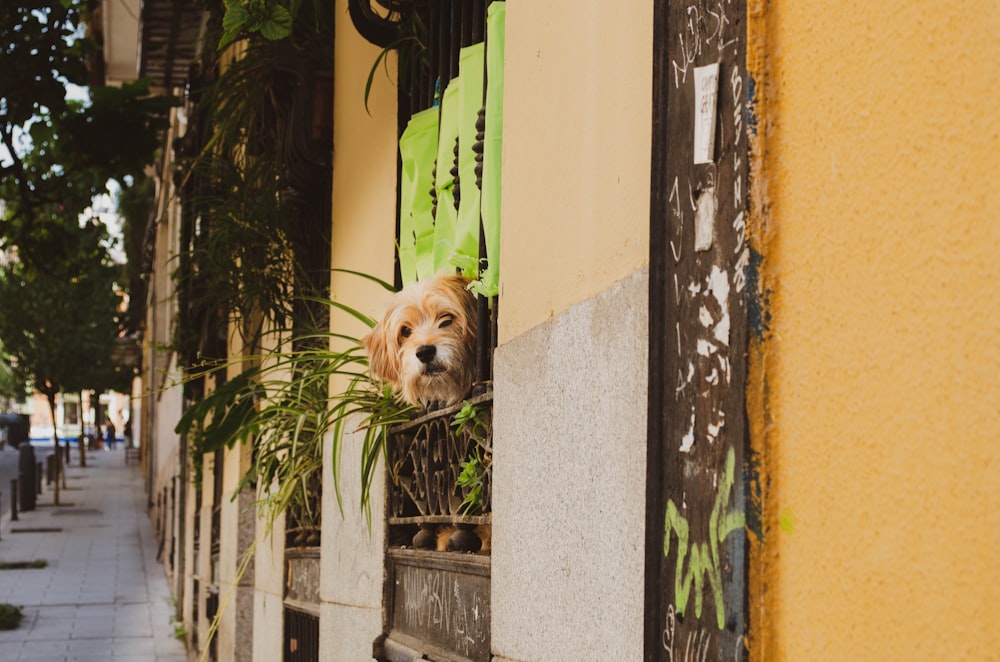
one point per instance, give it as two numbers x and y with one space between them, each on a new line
427 354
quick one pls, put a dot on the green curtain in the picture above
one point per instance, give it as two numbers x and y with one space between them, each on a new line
470 71
445 213
428 244
417 147
493 147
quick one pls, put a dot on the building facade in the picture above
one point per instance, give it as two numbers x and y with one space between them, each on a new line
743 355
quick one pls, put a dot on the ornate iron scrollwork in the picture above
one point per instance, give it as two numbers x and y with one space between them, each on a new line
426 457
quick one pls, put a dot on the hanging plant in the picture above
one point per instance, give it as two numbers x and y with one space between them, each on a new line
288 420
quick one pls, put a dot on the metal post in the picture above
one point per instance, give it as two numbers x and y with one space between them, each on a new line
13 499
38 477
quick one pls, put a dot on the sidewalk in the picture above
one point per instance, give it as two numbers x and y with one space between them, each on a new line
103 595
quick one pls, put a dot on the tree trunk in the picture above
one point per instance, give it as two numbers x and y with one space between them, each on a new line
51 396
83 430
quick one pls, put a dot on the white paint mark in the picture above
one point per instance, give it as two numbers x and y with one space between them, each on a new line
713 432
688 441
704 219
705 317
713 377
718 285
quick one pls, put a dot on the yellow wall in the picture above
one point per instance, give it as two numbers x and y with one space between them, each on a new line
364 174
576 154
882 367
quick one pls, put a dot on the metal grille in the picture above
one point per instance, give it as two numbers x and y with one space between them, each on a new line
301 636
425 459
449 26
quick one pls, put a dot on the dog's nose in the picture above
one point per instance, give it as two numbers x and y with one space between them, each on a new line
426 353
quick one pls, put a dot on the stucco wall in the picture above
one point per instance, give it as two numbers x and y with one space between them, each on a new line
576 154
571 366
569 452
881 363
364 213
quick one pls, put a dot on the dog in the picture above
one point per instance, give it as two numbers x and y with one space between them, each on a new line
425 345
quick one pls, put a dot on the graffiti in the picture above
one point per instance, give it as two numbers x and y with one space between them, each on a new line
695 647
436 602
708 374
701 29
698 562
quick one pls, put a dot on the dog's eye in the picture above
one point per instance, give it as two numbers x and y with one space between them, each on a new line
405 332
446 321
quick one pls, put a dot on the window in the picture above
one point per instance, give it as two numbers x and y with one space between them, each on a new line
438 509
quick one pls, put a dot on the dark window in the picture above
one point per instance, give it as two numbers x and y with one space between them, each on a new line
301 636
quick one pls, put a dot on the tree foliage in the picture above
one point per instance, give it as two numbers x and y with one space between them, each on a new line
60 291
59 323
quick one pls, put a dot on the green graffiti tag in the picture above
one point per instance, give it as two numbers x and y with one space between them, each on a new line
704 561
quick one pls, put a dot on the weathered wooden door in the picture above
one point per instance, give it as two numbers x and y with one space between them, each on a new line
696 561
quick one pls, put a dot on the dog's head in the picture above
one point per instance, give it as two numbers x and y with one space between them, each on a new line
425 344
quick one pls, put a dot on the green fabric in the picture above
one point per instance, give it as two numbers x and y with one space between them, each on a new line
446 214
470 71
416 223
426 244
493 147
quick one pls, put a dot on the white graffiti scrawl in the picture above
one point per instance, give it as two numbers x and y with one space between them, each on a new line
708 371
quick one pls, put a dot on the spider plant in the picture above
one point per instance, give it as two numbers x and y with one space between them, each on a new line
282 407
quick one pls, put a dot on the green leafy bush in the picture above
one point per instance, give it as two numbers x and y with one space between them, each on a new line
10 616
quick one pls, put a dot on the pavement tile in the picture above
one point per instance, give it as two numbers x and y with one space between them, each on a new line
103 595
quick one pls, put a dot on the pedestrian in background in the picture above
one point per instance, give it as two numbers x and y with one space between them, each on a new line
109 436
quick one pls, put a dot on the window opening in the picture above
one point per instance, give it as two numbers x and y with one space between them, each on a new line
440 463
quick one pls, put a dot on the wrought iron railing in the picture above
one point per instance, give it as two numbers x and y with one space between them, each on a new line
428 508
438 563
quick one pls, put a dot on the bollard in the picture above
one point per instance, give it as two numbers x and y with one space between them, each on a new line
26 475
49 468
13 499
39 472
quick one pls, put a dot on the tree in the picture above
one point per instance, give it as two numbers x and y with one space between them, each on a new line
58 324
54 149
57 152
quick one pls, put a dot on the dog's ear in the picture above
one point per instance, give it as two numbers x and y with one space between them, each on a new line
382 361
462 296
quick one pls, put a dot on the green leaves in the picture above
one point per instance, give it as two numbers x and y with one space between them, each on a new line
472 478
270 19
469 419
284 409
60 307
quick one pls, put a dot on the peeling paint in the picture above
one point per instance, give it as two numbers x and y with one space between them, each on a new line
758 303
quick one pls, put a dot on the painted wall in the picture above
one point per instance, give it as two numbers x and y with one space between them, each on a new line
875 213
571 366
364 213
576 154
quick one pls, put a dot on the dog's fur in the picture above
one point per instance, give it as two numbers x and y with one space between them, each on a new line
425 344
